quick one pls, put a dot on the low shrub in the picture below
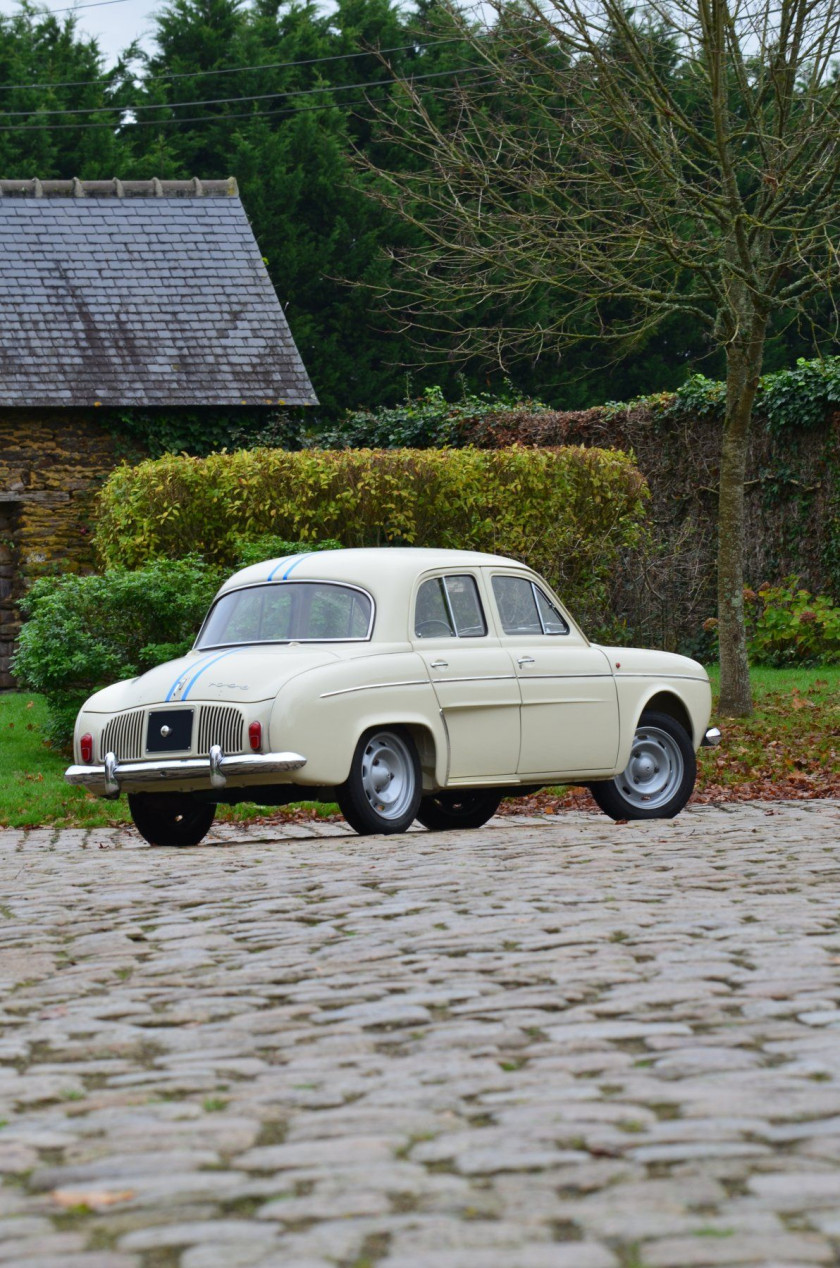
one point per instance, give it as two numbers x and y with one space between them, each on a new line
84 632
791 626
788 626
568 512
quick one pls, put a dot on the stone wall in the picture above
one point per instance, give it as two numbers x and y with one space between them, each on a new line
52 463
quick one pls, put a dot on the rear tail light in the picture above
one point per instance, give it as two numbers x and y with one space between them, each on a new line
86 748
255 736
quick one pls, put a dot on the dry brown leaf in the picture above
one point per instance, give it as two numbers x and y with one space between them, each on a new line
93 1199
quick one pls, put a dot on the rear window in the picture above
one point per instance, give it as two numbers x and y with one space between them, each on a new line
288 611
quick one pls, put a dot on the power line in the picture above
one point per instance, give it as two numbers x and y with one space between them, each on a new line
213 118
225 101
96 4
231 70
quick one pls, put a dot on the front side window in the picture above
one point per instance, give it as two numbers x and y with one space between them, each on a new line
525 609
288 611
449 607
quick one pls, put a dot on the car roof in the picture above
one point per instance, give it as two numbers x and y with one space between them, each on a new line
374 568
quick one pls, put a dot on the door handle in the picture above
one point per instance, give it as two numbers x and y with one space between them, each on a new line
440 664
525 660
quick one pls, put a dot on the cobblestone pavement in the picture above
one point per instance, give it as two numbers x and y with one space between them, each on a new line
544 1044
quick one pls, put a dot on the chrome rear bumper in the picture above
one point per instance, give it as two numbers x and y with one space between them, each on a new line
114 777
711 739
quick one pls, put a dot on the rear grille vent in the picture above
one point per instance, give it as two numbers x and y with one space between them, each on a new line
123 736
222 726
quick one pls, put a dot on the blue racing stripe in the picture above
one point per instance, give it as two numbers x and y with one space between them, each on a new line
277 568
297 561
169 693
207 665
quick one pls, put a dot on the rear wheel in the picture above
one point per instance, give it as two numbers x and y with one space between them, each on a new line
468 809
659 778
382 791
170 818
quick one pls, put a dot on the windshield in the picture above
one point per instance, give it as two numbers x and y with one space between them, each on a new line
288 611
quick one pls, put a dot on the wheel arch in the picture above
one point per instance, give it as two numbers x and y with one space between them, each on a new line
669 703
433 757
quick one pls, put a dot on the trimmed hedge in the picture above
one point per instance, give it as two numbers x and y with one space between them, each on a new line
568 512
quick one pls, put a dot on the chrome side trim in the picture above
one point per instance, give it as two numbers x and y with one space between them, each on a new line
527 676
480 678
659 677
108 780
712 738
375 686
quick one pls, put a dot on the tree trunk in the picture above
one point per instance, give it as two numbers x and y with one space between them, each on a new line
743 370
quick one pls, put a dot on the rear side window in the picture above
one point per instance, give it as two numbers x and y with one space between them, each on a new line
525 609
449 607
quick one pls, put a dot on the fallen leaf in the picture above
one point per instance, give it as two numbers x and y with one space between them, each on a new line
93 1199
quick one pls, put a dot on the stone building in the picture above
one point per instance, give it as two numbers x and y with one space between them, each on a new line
118 296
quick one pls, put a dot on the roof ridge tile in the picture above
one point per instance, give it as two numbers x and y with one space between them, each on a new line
116 188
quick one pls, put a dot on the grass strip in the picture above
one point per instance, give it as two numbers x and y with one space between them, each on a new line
789 749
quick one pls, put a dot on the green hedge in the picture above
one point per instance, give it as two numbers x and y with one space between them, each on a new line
84 632
568 512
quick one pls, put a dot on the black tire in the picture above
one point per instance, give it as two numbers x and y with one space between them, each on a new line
382 791
170 818
659 778
469 808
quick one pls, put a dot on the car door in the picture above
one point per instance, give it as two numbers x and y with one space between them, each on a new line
569 719
472 675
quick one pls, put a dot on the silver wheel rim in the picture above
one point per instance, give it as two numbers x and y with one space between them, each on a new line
388 775
655 770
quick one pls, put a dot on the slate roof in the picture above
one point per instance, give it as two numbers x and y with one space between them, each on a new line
138 293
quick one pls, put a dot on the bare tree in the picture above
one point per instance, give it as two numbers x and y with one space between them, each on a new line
603 168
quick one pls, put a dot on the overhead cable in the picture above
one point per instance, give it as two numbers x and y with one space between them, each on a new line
231 70
113 125
225 101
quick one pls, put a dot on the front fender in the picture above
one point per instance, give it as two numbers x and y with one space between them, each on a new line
635 694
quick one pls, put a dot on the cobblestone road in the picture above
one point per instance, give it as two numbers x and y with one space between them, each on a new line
544 1044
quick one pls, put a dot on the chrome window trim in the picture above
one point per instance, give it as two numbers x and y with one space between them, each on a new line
535 589
451 576
286 642
442 578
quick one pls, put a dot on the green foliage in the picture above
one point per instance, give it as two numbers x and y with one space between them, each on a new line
84 632
568 512
797 398
425 422
789 626
800 398
65 71
203 431
253 550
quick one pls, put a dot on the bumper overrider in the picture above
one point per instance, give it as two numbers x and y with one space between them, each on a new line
113 777
711 739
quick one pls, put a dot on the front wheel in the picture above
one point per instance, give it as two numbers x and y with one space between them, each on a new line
659 778
170 818
468 809
382 791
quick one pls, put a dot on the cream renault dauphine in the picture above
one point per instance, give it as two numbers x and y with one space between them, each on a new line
403 683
